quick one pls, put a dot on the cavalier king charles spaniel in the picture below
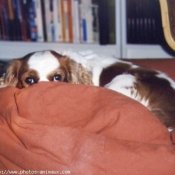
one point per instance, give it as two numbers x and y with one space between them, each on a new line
45 66
152 88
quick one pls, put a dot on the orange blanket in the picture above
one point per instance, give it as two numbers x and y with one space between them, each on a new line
53 128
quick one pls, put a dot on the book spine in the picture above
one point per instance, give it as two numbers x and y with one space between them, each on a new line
11 30
95 23
111 23
26 5
4 19
21 18
89 20
47 19
66 23
83 21
1 7
75 21
84 27
63 21
80 11
103 22
55 19
32 20
1 20
39 21
59 21
51 24
70 27
17 20
44 19
23 21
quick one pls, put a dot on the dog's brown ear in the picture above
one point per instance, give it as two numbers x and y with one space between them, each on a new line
84 77
78 74
11 75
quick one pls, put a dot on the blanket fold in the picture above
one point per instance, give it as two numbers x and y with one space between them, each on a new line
81 130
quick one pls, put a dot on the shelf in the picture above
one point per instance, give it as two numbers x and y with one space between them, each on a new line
144 51
137 50
11 50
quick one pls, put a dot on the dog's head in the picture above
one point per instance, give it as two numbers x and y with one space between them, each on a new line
45 66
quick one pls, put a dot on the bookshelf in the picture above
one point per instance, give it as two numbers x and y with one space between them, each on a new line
15 49
138 50
11 49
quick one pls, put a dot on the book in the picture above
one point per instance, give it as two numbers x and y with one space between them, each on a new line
10 15
66 20
80 11
26 19
24 24
0 29
57 20
43 20
82 22
17 20
103 22
1 7
75 21
60 23
48 20
111 21
63 21
31 5
95 22
70 22
51 24
87 21
3 20
39 21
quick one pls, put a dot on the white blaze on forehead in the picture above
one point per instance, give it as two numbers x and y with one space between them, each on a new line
43 63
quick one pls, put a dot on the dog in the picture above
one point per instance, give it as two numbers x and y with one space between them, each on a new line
45 66
152 88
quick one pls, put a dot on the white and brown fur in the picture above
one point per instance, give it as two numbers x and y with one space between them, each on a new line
45 66
153 89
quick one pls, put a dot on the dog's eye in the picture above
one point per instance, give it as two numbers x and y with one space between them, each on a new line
30 80
57 77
